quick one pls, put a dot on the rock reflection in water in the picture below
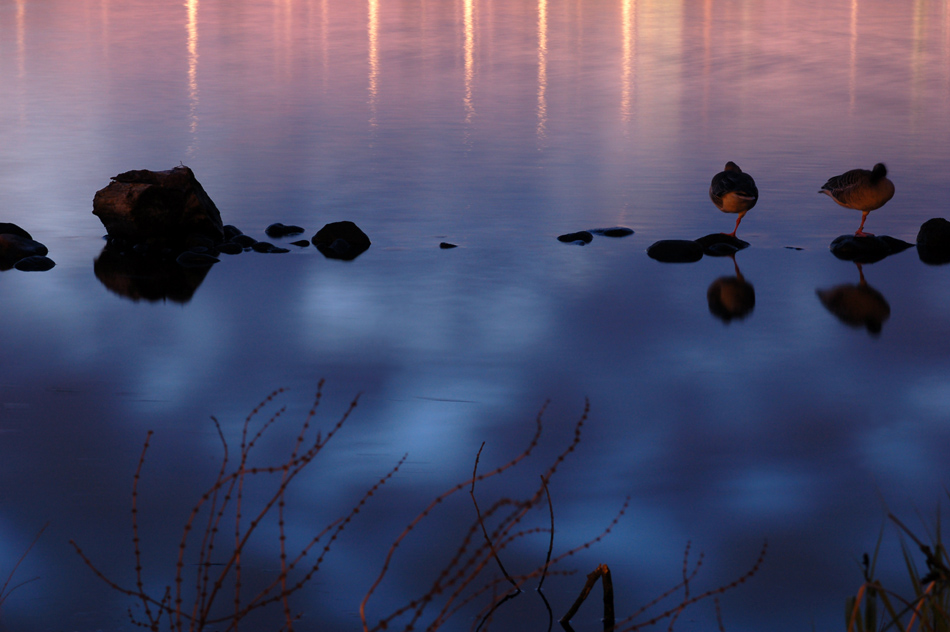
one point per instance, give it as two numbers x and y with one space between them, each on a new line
731 297
857 305
147 278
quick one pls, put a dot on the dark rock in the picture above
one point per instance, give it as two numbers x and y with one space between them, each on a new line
278 250
793 248
157 206
230 248
446 245
866 249
12 229
262 246
933 241
34 264
190 259
275 231
147 278
857 306
230 232
721 245
15 247
616 231
580 236
244 241
675 251
730 298
341 240
302 243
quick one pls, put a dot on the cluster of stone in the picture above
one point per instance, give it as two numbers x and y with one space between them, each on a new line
19 250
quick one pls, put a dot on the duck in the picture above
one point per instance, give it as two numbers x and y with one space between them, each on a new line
733 191
861 190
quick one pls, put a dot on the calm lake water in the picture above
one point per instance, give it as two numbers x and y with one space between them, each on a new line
495 125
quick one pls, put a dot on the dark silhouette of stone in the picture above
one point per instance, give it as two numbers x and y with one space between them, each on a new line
616 231
7 228
582 237
302 243
721 244
262 246
230 248
675 251
230 232
148 278
245 241
190 259
34 264
341 240
14 247
446 245
933 241
158 207
866 248
278 230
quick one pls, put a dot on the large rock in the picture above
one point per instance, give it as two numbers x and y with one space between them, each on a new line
341 240
157 207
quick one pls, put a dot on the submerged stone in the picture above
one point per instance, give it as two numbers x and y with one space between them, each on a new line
933 241
580 236
866 248
34 264
616 231
721 245
675 251
277 230
341 240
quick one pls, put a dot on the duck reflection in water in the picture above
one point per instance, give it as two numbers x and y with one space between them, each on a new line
731 297
857 305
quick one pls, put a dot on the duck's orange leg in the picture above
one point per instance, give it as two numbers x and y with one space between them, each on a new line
860 232
738 219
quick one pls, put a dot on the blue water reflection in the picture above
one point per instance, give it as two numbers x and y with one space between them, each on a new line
496 126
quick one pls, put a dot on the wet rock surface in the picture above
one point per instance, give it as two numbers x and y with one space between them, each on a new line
933 241
34 264
615 231
341 240
675 251
278 230
721 245
581 237
866 249
158 207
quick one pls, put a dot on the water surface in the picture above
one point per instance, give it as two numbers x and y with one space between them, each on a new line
495 126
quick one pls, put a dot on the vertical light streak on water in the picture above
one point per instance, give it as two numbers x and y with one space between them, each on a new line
373 32
21 38
946 46
707 57
629 24
192 29
469 23
919 37
853 76
542 68
325 41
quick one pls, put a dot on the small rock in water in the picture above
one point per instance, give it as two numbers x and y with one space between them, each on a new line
230 248
675 251
866 249
301 243
277 230
580 236
230 231
262 246
190 259
245 241
7 228
616 231
446 245
34 264
721 245
14 247
341 240
933 241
